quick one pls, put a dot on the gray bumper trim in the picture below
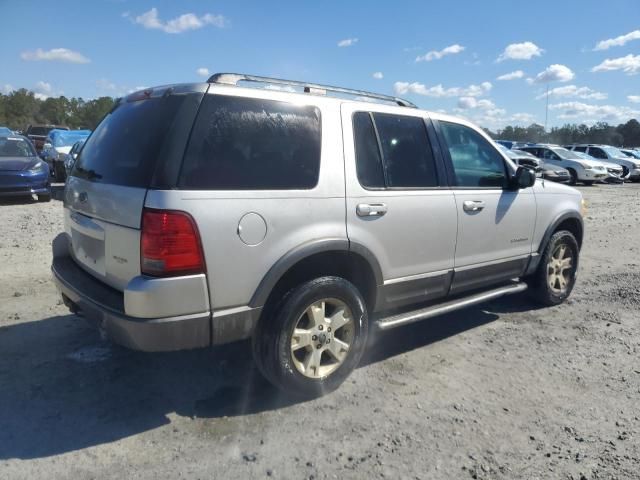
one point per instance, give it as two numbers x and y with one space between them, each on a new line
102 305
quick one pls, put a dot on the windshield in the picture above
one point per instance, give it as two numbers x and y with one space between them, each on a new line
68 139
564 153
5 131
15 147
614 152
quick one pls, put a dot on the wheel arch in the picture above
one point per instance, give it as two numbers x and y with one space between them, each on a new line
338 257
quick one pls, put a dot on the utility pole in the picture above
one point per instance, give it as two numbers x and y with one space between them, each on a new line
546 111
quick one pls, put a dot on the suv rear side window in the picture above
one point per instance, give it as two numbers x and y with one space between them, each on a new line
406 151
476 162
406 160
124 149
252 144
368 160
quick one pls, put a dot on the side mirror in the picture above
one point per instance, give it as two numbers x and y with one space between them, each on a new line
524 178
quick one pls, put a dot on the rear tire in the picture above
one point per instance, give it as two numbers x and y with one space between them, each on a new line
556 274
295 346
574 176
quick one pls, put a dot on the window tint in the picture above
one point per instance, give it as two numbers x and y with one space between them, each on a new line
548 154
407 155
476 162
126 146
580 149
597 152
249 143
368 161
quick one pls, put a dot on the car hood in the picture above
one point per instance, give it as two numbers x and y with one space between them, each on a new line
17 164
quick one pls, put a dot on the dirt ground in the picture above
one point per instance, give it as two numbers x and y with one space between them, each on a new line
506 390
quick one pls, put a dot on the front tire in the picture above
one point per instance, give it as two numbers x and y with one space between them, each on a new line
555 277
314 339
589 183
574 176
60 172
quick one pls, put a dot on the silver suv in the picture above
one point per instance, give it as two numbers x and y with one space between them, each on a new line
202 214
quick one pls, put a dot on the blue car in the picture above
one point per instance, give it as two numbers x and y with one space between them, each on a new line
22 173
4 131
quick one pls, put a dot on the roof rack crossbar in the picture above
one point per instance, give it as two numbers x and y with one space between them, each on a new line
234 78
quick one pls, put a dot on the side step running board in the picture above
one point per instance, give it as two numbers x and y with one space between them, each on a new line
434 310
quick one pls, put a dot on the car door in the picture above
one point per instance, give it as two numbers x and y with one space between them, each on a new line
495 222
396 204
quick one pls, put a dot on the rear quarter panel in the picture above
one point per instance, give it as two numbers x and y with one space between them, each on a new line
292 217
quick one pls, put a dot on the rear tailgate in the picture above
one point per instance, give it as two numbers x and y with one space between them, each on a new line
139 144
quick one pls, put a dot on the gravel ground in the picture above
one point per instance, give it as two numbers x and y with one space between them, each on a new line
506 390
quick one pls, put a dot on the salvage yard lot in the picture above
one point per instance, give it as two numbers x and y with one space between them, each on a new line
503 390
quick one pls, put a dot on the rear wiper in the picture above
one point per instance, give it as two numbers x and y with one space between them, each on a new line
88 174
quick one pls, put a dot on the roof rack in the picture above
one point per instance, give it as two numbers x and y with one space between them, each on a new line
234 78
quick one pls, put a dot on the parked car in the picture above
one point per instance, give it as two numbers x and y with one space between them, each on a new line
71 157
554 173
631 153
207 213
22 173
38 133
56 147
615 171
630 166
580 170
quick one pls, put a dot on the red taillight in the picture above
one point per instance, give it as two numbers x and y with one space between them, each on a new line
170 244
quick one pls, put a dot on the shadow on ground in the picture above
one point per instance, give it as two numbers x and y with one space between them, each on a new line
63 389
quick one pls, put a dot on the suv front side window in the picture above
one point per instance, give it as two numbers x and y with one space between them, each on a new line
476 162
550 155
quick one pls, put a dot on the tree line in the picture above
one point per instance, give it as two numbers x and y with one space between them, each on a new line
623 135
22 108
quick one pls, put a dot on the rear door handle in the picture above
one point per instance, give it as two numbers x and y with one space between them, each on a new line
473 205
371 209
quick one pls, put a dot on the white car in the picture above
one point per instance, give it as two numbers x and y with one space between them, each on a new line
607 153
581 170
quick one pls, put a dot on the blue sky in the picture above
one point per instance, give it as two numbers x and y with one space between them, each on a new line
444 56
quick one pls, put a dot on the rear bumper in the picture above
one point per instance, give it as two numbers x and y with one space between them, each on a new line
104 307
145 316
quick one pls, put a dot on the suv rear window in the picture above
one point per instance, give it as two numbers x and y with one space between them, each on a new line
40 131
127 144
252 144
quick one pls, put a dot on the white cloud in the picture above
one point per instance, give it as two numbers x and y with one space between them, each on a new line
631 98
203 72
55 54
438 91
43 87
554 73
378 75
618 41
6 88
582 111
573 91
520 51
523 118
438 54
511 76
467 103
629 65
182 23
347 42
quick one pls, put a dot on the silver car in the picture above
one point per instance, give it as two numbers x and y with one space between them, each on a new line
202 214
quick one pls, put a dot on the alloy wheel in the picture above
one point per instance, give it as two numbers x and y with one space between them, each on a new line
322 337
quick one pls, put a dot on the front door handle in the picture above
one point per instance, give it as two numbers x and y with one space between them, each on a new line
371 209
473 205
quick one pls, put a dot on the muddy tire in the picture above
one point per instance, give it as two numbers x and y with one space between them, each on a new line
555 276
310 343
